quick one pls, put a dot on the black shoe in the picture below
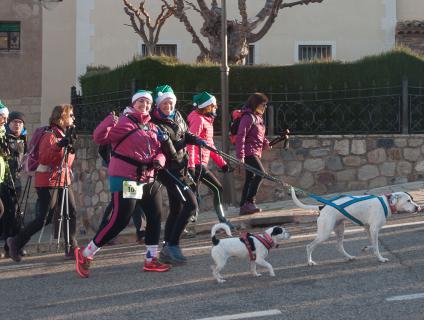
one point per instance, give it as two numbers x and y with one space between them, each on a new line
13 249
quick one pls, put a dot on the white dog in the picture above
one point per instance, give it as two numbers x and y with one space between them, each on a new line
370 211
234 247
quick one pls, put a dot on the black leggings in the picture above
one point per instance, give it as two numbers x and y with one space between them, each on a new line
253 181
213 184
180 210
50 199
123 209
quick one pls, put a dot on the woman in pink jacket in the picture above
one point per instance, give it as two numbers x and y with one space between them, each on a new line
200 123
136 154
250 142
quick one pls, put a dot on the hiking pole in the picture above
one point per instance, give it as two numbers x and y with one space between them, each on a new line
283 137
179 182
64 203
26 191
19 212
247 167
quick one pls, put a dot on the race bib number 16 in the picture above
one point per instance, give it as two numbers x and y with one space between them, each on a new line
132 190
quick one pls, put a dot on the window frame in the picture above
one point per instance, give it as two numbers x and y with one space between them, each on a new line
298 44
250 58
9 36
143 48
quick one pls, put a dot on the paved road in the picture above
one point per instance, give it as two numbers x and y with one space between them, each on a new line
46 287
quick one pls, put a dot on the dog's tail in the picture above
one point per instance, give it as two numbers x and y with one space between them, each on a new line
215 228
300 204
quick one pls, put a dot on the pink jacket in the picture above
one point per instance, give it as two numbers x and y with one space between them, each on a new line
251 140
202 126
142 145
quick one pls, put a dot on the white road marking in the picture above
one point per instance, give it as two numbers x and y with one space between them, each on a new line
22 266
406 297
245 315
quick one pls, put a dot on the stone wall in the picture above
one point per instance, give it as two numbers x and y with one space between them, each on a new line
319 164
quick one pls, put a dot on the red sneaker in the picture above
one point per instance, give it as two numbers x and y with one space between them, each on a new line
156 266
82 263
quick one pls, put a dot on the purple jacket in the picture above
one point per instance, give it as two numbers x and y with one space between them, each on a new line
141 145
251 140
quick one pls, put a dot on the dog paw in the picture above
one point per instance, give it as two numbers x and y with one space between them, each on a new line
312 263
221 280
257 274
351 258
381 259
272 274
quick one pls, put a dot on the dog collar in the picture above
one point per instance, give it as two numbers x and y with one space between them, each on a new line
392 207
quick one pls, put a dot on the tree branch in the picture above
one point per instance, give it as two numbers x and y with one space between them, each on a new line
138 29
253 37
300 2
178 11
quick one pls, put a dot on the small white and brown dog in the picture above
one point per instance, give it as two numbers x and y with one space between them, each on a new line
370 211
235 247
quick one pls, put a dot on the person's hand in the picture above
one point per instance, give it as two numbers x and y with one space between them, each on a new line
63 143
162 136
201 143
156 165
242 160
115 118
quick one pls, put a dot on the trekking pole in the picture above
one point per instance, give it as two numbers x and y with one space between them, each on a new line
26 191
20 213
179 182
247 167
283 137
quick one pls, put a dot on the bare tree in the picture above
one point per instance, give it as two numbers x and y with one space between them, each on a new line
140 21
240 32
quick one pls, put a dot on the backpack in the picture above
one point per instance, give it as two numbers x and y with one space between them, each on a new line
236 116
30 159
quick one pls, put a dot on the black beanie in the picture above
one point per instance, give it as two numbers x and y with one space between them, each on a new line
16 115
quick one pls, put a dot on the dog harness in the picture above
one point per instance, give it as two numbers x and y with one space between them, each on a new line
247 239
354 199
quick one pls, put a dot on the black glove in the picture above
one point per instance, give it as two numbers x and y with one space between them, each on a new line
63 143
226 168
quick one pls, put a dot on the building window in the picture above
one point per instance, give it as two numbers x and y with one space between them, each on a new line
169 50
250 59
10 35
314 52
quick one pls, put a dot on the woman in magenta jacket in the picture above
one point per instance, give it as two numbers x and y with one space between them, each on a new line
250 142
135 157
200 123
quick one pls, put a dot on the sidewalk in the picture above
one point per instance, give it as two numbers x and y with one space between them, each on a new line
274 213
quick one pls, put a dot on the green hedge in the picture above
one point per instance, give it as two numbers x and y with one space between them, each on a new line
379 70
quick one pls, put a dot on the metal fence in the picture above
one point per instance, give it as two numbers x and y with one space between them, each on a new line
389 109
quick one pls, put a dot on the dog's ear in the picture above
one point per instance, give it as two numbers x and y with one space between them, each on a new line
276 230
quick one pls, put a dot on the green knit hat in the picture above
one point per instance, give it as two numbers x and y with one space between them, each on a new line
163 92
3 110
203 99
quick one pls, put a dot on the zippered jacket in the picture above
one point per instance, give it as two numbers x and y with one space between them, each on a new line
251 140
142 145
202 126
